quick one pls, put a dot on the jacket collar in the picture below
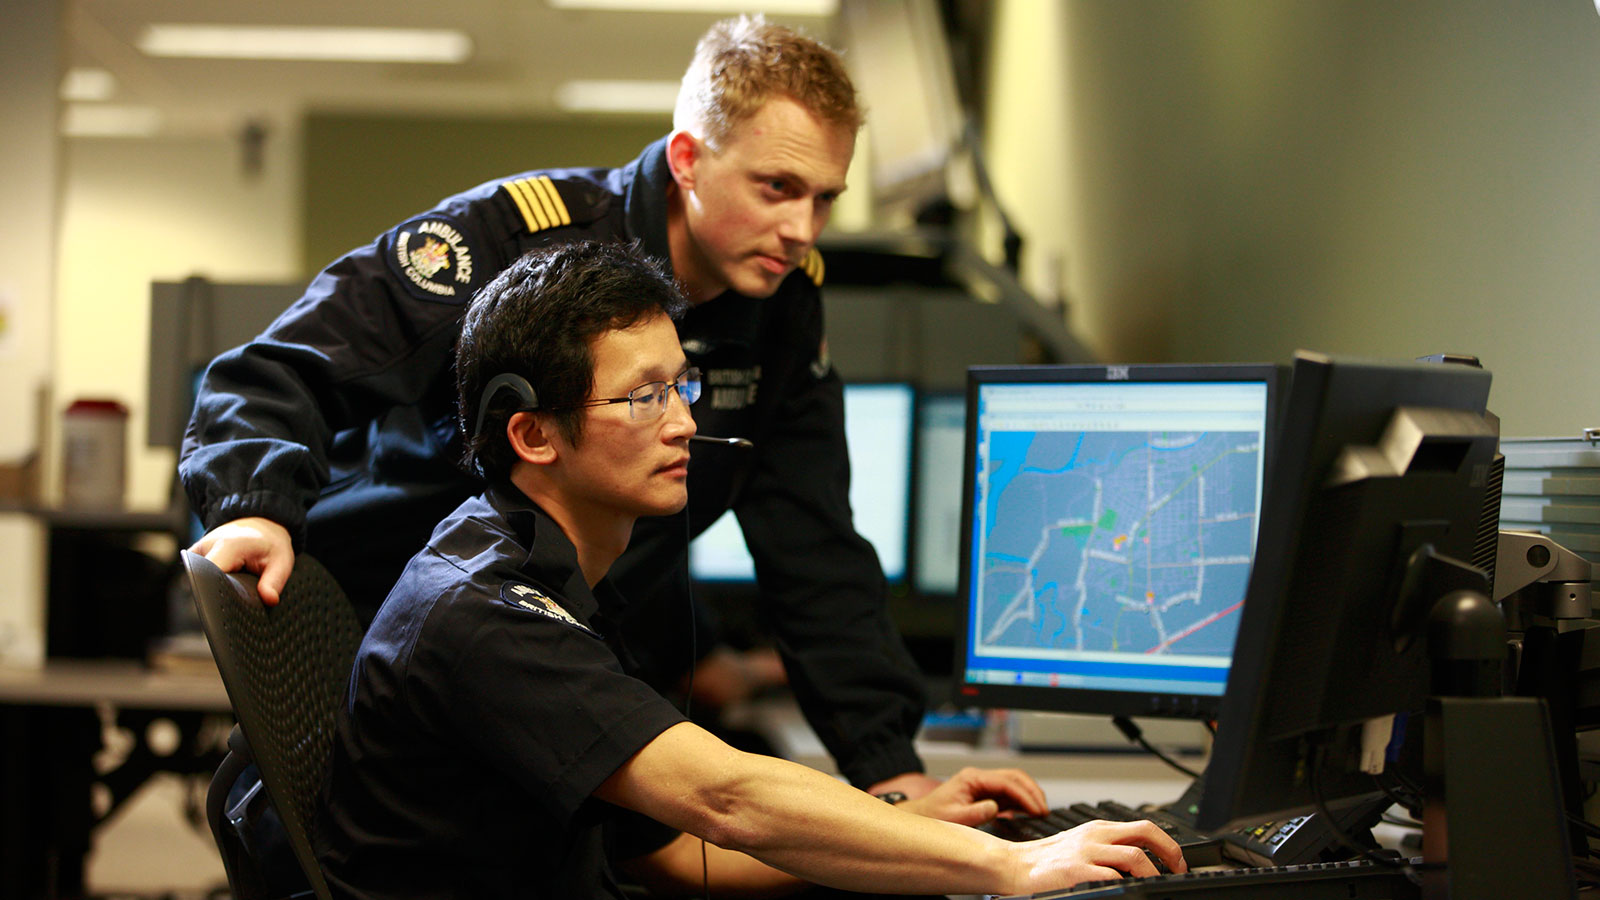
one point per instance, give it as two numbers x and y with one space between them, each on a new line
645 203
552 560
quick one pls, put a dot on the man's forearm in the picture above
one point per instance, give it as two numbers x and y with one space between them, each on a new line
679 870
802 821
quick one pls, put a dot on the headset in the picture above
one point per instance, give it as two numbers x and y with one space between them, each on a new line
530 403
518 384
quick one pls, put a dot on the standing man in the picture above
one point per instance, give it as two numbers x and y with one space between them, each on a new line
494 739
334 431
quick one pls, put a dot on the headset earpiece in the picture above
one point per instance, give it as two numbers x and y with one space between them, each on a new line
518 384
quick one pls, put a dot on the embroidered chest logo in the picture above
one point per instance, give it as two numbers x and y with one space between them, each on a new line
531 599
434 256
732 388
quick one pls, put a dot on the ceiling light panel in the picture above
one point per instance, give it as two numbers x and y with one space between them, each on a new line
291 42
618 96
88 85
772 7
109 120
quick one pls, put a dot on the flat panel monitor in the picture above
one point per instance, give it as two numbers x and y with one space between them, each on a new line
941 437
877 424
1110 522
191 323
1376 460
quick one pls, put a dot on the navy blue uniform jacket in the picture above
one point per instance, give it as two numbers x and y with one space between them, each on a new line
339 422
491 697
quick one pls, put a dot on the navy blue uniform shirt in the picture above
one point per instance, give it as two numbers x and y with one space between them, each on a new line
339 422
491 696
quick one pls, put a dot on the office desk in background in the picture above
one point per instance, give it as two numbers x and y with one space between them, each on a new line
50 733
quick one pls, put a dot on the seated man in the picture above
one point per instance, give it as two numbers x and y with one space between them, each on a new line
495 739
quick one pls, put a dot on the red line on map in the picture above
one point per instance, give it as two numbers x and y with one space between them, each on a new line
1193 628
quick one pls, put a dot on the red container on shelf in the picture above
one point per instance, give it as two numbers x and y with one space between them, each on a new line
94 439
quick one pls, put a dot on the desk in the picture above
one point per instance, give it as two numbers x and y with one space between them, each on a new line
49 734
1130 778
124 684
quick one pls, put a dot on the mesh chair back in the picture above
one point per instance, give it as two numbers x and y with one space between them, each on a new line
286 669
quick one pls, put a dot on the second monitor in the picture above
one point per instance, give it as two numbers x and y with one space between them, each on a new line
878 423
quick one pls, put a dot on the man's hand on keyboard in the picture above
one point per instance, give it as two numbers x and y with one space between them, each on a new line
1096 851
975 796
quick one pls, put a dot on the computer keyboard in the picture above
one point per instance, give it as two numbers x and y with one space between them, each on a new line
1353 880
1199 849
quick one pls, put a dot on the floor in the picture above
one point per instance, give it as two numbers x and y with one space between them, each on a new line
150 849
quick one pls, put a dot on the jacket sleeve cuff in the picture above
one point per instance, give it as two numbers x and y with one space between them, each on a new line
876 763
265 504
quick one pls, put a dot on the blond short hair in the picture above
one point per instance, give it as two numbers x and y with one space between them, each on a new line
742 63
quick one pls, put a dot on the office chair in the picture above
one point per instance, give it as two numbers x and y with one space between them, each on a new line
286 669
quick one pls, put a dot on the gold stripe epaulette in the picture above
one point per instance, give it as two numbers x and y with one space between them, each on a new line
538 201
813 267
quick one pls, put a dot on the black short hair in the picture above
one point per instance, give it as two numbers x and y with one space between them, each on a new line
536 319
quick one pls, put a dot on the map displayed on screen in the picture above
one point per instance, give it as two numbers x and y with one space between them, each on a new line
1116 541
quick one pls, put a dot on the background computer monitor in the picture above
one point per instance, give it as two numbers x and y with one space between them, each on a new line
936 516
191 323
1110 521
1374 460
877 423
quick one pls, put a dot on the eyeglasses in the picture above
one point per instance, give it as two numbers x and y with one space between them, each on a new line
649 400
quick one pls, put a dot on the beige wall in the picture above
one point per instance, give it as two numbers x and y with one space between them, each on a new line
137 211
364 174
1240 178
29 179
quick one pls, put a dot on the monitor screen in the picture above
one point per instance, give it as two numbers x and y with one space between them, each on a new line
1110 522
877 425
941 433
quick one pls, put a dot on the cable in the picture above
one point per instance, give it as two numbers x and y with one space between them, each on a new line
1336 828
694 660
1132 733
1585 826
1410 799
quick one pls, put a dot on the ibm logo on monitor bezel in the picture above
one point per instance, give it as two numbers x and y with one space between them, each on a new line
1116 373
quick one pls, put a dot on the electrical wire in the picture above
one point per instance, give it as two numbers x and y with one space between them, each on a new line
694 661
1345 839
1134 734
1410 799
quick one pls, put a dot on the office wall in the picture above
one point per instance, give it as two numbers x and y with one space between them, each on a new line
1239 178
366 173
29 182
141 210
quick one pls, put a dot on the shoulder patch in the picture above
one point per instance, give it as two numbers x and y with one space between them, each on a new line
435 259
812 266
528 598
539 202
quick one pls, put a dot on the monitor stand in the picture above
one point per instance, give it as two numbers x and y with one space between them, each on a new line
1494 821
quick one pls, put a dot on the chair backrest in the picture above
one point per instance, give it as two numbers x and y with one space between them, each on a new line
286 669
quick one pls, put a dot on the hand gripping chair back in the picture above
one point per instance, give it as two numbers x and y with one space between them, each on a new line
286 669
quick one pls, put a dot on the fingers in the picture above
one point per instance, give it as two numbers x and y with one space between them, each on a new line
202 547
274 575
1122 845
1128 859
973 814
1014 787
254 544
